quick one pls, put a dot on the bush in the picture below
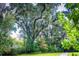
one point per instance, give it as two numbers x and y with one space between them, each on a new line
36 47
54 48
18 47
43 47
50 49
5 45
18 51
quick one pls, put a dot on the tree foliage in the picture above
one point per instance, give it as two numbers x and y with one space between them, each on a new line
5 28
44 29
33 19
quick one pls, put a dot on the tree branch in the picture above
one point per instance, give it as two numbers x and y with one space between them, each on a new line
40 15
34 23
40 31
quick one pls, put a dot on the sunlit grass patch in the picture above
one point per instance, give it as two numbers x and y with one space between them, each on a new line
41 54
73 54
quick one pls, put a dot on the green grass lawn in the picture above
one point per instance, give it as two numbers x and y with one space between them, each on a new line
40 54
73 54
50 54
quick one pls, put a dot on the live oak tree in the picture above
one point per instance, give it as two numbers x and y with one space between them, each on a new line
30 18
33 19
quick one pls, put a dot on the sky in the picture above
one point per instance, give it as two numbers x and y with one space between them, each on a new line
61 8
17 34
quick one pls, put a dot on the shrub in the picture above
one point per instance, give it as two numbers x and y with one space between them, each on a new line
43 47
54 48
18 47
36 47
5 45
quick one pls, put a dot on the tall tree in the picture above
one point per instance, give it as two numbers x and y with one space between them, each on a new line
33 19
6 24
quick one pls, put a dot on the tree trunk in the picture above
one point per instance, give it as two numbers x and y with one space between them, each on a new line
29 45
